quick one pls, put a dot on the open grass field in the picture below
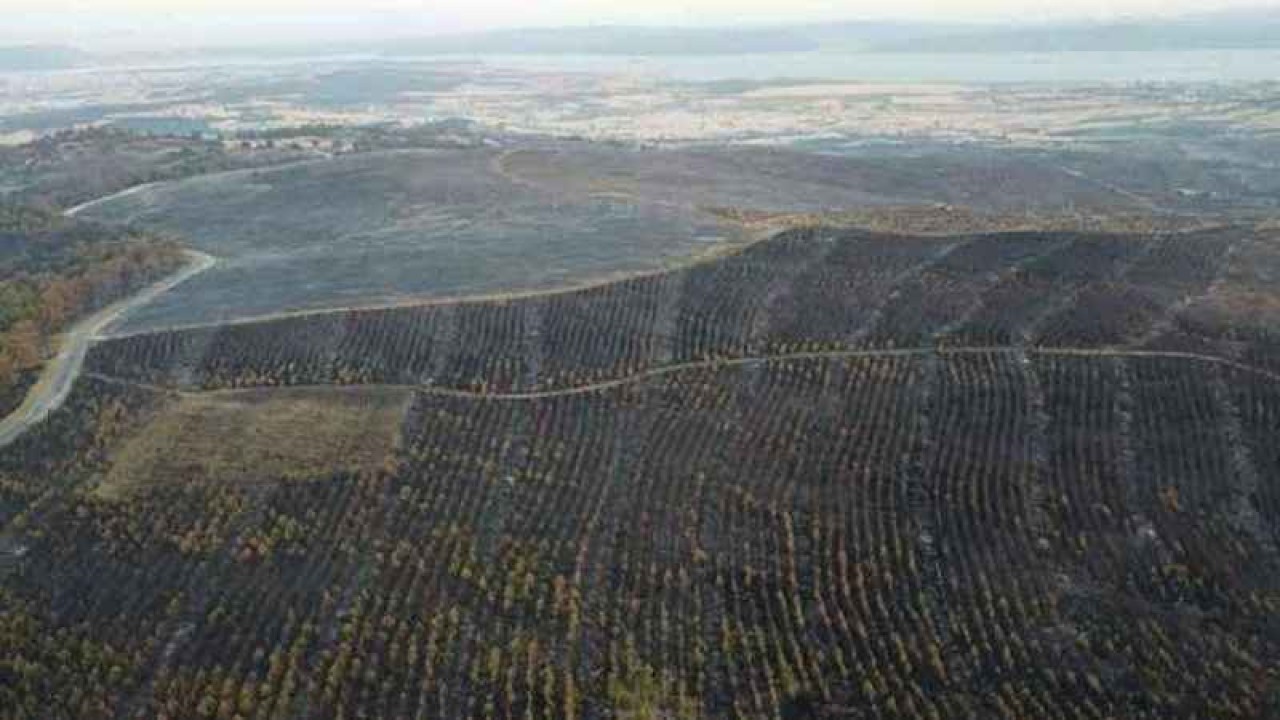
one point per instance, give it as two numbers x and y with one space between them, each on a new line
385 228
836 475
390 227
781 179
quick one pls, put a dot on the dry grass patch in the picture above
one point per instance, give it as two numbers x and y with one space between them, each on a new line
1251 312
260 436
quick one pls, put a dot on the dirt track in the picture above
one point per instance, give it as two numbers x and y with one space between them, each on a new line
60 373
718 364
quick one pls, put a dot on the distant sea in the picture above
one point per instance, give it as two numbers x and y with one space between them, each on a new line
1076 68
1208 66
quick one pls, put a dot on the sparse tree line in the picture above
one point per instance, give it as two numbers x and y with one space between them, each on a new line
69 167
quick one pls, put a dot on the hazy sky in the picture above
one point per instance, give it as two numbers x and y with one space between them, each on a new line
178 22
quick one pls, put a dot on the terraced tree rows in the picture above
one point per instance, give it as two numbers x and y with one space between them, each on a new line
1239 315
936 536
1063 525
1129 306
803 291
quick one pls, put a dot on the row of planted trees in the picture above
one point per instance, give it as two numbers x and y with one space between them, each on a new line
896 537
802 291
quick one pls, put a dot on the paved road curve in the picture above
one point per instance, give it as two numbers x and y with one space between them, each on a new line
59 374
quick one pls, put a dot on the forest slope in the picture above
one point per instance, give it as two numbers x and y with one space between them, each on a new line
955 536
840 474
54 271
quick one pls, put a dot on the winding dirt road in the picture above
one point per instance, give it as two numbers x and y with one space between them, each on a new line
723 363
942 350
72 212
59 373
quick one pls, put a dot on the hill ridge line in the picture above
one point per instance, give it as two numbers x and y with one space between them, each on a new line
754 233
